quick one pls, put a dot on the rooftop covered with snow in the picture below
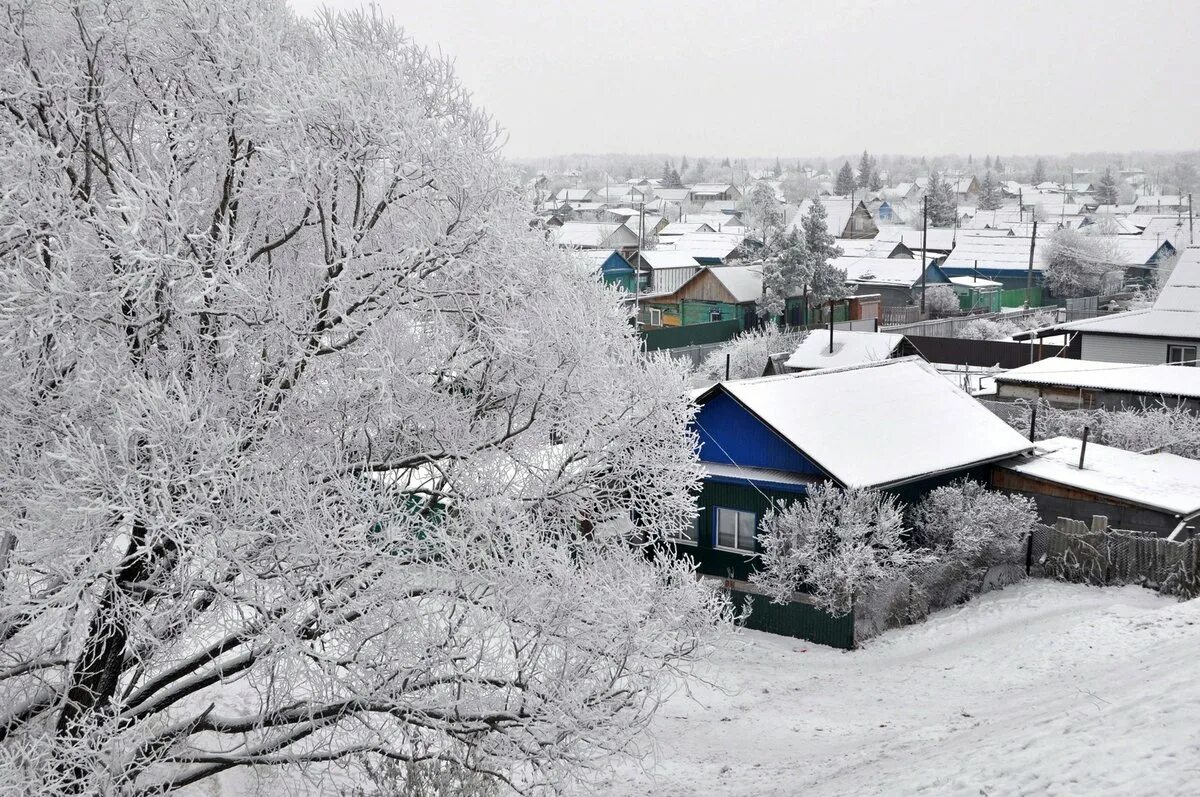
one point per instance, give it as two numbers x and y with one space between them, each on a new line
849 348
1158 481
834 416
1163 379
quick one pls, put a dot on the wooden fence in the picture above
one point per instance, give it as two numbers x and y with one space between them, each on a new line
1095 554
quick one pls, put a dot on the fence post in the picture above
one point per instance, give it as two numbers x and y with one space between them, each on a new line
1029 552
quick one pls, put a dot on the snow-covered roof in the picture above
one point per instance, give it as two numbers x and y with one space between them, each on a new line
879 424
744 283
591 234
1000 252
683 227
1161 481
667 258
712 245
711 188
849 348
936 239
899 271
758 475
1162 379
1175 314
869 247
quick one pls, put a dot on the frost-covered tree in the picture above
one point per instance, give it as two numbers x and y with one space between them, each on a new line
763 212
300 460
1082 265
1107 192
987 162
834 544
942 301
999 165
1167 427
787 269
876 183
989 193
1184 175
748 353
823 282
844 185
967 523
1039 172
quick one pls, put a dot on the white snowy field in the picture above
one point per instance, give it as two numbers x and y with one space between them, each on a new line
1042 688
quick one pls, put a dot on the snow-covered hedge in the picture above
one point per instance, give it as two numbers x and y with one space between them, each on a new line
748 353
1167 427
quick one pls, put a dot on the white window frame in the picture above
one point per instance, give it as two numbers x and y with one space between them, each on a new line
653 317
738 531
1187 354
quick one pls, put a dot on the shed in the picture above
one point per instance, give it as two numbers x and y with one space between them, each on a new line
847 348
1158 493
1093 383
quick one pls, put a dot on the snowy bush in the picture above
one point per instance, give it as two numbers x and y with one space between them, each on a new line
748 353
1002 328
942 301
1166 427
834 544
967 523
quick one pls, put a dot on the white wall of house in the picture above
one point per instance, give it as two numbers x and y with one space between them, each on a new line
1128 349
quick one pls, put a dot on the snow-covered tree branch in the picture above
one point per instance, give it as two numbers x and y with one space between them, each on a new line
314 450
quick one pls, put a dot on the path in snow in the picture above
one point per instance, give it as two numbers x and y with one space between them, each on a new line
1042 688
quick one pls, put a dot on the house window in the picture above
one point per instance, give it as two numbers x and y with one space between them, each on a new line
690 535
653 317
1181 355
714 314
735 530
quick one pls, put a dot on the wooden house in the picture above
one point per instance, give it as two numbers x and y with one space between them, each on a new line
709 192
845 218
898 280
1090 384
667 269
711 294
768 439
612 268
1157 493
595 235
1167 332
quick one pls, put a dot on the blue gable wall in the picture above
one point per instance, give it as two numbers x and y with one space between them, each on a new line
729 434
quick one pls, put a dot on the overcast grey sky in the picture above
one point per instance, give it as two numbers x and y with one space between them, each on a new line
798 77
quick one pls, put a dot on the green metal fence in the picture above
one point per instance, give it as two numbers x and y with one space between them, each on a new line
691 335
1016 297
795 619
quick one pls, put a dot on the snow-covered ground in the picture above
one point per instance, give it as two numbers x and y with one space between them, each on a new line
1042 688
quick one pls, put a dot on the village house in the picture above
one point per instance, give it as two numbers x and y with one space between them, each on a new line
1089 384
668 269
709 192
898 280
1167 332
845 218
595 235
841 347
768 439
1157 493
725 293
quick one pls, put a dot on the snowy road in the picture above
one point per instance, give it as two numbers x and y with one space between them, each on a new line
1043 688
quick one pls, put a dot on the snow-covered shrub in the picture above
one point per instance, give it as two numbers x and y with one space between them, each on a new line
835 544
748 353
967 523
1166 427
1002 328
942 301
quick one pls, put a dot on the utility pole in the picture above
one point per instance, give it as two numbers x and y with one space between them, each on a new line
924 235
1029 274
1191 232
1021 204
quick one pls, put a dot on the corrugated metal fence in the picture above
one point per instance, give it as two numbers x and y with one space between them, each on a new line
951 327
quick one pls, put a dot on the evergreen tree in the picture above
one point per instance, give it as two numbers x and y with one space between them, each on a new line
725 162
683 165
941 201
970 159
785 271
864 170
1107 193
999 166
989 193
876 183
845 180
778 168
820 247
987 162
1039 172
